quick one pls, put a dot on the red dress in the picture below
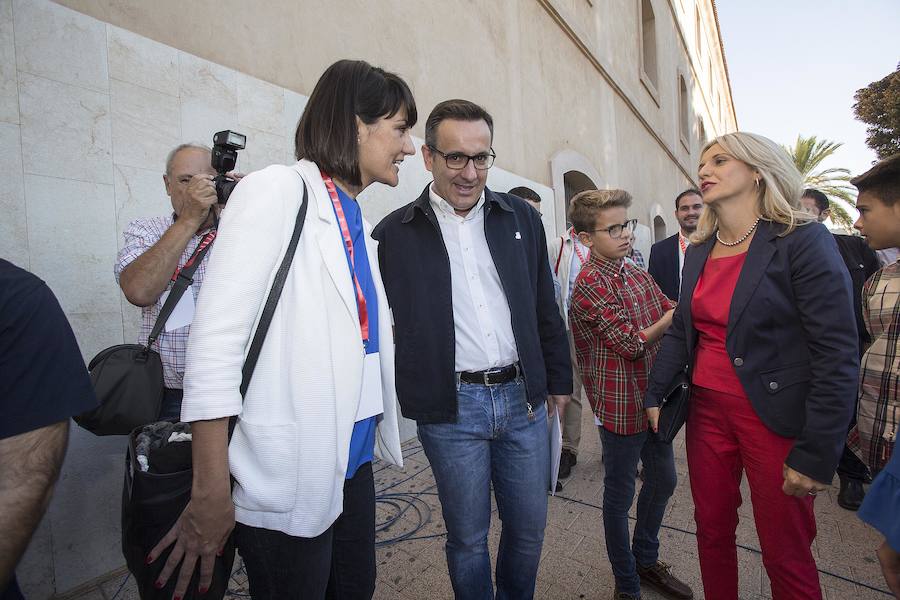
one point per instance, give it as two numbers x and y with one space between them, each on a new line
725 439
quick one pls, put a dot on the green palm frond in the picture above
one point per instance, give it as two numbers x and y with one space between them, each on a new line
807 154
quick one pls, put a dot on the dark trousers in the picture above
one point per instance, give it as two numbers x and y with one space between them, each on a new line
171 404
339 564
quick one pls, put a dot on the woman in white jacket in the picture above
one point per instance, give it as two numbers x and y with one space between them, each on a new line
321 402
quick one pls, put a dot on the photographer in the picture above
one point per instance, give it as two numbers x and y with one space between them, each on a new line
158 247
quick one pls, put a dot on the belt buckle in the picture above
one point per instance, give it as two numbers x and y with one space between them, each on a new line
485 375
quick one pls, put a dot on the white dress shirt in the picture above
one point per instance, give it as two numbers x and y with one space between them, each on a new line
481 317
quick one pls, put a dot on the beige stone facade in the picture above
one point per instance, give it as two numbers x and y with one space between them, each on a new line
93 93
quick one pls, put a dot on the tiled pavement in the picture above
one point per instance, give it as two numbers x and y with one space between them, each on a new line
574 564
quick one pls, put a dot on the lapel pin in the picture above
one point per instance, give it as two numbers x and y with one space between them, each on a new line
518 236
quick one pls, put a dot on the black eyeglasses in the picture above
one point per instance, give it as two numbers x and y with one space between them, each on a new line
615 231
458 160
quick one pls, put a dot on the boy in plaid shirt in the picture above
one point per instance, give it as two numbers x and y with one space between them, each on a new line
618 316
878 414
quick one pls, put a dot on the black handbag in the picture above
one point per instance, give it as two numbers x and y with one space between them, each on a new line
674 407
128 378
153 502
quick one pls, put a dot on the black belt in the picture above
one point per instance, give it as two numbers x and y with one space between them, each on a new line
491 376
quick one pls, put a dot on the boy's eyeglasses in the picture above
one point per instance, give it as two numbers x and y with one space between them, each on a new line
616 231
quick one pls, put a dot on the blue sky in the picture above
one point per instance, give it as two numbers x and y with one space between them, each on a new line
796 64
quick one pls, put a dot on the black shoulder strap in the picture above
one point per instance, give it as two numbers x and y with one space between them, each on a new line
272 301
182 282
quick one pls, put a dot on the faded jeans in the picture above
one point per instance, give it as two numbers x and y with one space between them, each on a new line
492 442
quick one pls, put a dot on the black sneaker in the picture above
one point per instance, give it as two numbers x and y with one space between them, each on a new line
566 460
851 495
617 595
658 576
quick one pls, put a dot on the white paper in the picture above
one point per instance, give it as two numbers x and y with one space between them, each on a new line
555 451
183 314
371 398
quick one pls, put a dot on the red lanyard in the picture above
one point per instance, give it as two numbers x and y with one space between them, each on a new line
348 242
682 243
206 241
581 256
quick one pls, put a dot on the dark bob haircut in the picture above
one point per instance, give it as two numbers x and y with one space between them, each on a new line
327 133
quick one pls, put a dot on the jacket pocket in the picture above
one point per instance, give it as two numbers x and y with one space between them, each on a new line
775 380
263 460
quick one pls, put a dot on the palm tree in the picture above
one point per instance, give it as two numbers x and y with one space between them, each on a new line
807 154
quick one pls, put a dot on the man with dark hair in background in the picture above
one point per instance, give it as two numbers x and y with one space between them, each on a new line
43 383
528 195
481 351
667 256
861 263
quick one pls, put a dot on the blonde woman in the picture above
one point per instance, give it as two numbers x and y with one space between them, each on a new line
766 328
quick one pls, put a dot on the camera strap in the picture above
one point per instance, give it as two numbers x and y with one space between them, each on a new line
183 278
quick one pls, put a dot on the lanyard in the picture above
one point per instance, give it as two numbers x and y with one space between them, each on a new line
206 241
682 243
581 256
348 243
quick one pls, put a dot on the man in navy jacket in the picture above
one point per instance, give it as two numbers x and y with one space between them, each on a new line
667 256
481 349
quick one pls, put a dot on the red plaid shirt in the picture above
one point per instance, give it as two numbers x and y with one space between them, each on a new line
611 303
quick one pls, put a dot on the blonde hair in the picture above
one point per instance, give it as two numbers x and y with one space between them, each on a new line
780 183
584 206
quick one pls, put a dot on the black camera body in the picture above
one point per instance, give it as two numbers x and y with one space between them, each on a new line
224 157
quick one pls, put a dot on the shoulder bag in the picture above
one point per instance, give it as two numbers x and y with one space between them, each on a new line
128 378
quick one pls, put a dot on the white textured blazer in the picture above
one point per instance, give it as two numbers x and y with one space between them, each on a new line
290 449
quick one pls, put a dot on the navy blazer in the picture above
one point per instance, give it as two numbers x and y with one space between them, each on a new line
791 338
416 274
664 266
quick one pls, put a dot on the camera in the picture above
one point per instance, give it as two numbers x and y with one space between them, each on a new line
224 157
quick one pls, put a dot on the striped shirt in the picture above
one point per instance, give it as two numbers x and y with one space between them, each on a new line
878 414
139 237
611 303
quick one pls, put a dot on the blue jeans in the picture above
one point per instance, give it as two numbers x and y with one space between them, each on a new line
620 461
492 441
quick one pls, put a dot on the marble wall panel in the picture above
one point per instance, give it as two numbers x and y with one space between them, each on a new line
264 149
208 98
138 60
294 104
71 240
146 125
9 94
97 330
65 130
260 105
60 44
140 193
13 222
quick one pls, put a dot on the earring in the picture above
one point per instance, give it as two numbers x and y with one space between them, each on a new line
757 184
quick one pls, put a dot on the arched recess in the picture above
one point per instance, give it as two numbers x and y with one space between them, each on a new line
658 219
571 173
659 228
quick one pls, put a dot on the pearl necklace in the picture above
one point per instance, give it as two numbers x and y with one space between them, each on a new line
742 238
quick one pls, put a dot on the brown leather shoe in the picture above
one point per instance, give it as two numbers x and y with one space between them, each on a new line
658 576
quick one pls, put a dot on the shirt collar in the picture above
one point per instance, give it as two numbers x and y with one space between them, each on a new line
442 206
610 268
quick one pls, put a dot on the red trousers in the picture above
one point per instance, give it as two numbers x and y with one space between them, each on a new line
725 438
